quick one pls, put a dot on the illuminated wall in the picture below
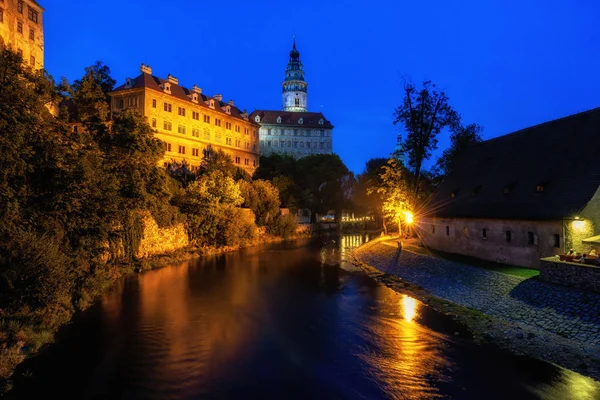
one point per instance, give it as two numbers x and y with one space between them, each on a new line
22 29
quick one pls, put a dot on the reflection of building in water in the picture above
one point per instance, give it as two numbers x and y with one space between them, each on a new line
349 242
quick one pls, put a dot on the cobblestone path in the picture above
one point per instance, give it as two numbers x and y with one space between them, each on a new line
568 312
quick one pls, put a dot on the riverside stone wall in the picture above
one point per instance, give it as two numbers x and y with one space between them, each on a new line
156 240
576 275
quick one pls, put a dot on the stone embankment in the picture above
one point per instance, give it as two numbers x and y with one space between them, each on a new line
553 323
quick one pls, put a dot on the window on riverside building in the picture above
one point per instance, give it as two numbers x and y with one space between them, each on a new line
556 240
1 15
32 60
447 230
181 129
484 233
181 149
207 119
153 103
246 161
195 115
20 7
195 152
206 134
31 34
195 133
217 122
181 111
33 15
531 238
20 27
168 107
154 122
168 146
237 160
508 236
228 125
167 126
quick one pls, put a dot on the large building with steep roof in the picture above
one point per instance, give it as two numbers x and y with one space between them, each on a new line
293 130
22 29
190 123
520 197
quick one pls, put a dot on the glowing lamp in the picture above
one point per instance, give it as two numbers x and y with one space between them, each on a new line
409 217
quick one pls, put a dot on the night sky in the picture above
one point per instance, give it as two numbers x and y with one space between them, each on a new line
504 64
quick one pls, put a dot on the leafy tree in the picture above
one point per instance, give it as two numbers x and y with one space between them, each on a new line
393 191
365 196
262 198
461 139
423 114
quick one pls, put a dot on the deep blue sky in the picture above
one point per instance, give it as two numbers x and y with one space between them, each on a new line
504 64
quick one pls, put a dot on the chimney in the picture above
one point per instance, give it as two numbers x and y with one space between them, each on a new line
218 97
231 103
145 69
172 79
196 89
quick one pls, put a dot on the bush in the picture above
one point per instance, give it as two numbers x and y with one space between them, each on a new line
283 226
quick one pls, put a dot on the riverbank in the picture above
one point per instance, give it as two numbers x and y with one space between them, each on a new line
525 316
34 334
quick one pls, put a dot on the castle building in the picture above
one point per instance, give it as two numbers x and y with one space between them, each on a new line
294 130
190 123
22 29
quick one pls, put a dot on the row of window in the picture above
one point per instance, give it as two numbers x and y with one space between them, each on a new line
31 58
168 126
205 153
181 111
297 132
295 144
31 13
506 190
532 237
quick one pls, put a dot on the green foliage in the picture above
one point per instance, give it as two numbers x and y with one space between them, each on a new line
283 226
262 198
393 191
423 114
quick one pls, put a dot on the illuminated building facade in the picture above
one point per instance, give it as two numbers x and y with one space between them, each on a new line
293 130
517 198
22 30
190 123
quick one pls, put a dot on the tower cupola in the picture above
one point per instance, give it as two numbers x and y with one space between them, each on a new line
294 87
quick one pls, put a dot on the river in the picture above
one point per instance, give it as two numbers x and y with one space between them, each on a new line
284 321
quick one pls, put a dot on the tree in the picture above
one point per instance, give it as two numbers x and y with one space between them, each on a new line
461 139
262 198
365 196
423 114
393 191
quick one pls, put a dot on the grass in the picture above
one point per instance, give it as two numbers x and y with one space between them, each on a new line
479 263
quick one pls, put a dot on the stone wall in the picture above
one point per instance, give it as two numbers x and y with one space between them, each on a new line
466 236
586 226
576 275
156 240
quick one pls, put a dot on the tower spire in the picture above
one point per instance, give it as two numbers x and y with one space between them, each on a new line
294 87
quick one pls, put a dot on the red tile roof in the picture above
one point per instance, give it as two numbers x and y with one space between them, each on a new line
309 119
149 81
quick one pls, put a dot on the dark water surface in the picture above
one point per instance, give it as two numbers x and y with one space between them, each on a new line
278 322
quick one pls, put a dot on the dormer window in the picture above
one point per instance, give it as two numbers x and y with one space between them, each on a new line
300 121
321 121
278 120
211 103
227 109
129 82
167 87
194 97
257 119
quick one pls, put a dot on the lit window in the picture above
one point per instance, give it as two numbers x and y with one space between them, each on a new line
33 15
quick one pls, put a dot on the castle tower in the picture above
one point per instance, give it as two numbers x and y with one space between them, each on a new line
294 87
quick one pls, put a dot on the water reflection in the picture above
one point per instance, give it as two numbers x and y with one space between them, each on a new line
285 322
409 308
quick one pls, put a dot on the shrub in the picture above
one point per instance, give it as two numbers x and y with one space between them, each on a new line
283 226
